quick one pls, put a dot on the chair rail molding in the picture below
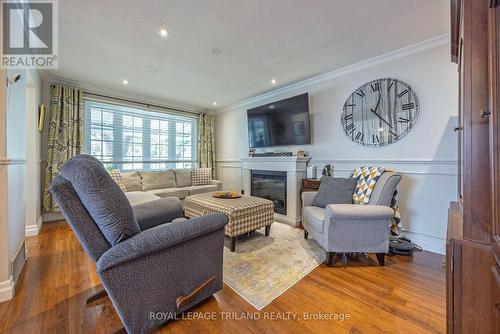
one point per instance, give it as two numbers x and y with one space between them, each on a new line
420 204
8 161
403 166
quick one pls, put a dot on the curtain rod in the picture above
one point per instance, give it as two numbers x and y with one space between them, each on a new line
148 105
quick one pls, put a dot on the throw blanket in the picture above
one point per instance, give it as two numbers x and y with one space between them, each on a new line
367 179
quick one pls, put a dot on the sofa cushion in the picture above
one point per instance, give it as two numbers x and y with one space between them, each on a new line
132 181
158 180
183 178
201 176
102 197
193 190
138 197
180 193
315 217
334 191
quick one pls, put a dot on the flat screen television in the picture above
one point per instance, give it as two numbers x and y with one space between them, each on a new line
281 123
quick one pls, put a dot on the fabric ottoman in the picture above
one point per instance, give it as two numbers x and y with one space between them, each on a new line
246 214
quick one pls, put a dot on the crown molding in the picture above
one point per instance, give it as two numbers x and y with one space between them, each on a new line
406 51
117 93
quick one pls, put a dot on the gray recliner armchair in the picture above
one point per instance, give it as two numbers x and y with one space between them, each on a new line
352 228
146 262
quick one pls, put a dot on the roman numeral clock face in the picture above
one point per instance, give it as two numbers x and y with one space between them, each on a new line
380 112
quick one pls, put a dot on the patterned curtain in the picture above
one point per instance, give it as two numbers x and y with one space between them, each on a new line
206 142
65 134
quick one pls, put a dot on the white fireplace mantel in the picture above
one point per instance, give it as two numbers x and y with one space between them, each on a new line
295 168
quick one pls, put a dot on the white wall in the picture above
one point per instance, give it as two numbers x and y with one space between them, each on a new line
426 156
19 194
33 216
16 150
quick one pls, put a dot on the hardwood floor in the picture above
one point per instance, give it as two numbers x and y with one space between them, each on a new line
405 296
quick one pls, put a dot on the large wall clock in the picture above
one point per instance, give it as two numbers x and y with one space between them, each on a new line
380 112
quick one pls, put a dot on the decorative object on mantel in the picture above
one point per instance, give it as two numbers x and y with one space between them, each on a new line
380 112
301 153
311 172
41 117
327 170
251 152
226 194
272 154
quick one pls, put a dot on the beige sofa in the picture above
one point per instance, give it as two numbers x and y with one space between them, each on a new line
147 186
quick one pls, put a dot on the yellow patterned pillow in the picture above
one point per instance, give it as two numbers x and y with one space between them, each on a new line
367 178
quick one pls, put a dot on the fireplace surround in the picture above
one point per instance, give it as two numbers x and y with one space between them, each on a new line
270 185
295 170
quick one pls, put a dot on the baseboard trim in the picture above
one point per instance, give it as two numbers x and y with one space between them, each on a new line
52 216
427 242
7 289
32 230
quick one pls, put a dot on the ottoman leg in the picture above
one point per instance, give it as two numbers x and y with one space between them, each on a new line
268 229
233 244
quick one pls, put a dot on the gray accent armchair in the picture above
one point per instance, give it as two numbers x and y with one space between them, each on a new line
352 228
166 267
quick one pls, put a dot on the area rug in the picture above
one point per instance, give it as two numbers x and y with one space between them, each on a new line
262 268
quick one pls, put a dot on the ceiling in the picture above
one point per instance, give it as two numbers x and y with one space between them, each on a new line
104 42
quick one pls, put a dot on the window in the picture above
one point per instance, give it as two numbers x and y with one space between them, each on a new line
134 139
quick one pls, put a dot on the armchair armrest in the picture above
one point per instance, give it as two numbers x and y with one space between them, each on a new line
357 228
157 212
160 238
358 212
217 183
307 197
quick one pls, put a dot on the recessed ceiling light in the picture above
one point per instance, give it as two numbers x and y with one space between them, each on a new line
215 103
271 107
216 51
163 32
125 81
273 81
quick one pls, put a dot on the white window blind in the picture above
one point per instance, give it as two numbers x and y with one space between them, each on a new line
128 138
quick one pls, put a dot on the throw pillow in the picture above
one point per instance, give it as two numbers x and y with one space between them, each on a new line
132 181
117 177
201 176
334 191
100 195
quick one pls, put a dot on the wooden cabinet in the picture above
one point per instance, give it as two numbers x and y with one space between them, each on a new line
494 108
472 240
310 185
